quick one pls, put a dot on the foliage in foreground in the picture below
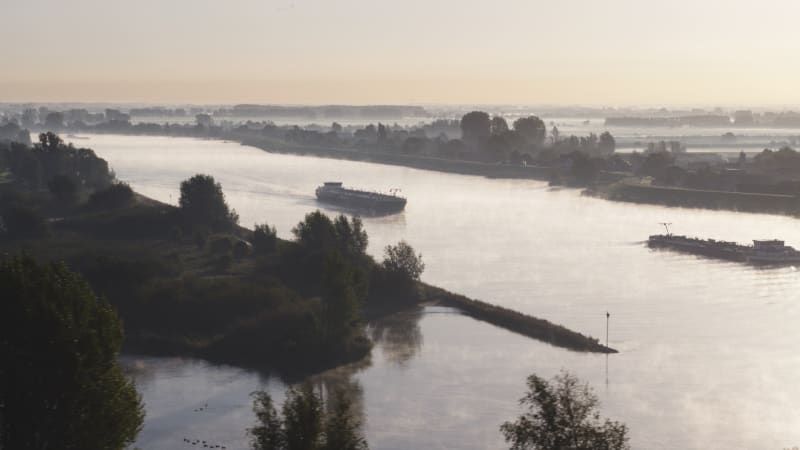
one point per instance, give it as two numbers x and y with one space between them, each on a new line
64 388
305 423
562 415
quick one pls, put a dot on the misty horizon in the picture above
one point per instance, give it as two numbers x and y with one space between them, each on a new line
627 52
361 224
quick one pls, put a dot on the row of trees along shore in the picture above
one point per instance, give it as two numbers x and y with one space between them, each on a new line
477 136
301 300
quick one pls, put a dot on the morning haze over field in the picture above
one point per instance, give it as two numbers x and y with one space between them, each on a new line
351 225
446 51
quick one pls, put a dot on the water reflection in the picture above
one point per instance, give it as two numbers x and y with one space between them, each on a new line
398 336
392 217
708 348
193 401
342 380
190 401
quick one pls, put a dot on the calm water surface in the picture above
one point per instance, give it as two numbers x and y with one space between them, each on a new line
708 349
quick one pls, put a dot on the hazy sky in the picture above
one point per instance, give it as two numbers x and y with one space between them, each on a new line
611 52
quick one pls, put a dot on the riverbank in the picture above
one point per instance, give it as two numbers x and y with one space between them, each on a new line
636 191
608 185
189 294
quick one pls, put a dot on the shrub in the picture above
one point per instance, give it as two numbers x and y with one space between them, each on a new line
20 221
63 188
240 249
114 196
220 245
400 259
265 238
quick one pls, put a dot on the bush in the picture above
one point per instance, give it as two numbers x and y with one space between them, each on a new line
175 234
400 259
62 188
223 262
200 237
220 245
23 222
240 249
114 196
265 238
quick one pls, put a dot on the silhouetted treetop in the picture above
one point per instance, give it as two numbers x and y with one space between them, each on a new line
499 125
202 202
318 232
475 127
532 129
562 415
402 260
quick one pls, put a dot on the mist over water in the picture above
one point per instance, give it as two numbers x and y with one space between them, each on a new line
708 349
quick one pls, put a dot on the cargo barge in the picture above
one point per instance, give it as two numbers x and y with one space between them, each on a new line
362 201
771 251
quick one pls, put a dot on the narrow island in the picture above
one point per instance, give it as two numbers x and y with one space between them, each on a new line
189 281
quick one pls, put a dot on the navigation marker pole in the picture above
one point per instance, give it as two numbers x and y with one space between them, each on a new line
608 318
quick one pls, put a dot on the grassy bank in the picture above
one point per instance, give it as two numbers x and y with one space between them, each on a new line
517 322
637 192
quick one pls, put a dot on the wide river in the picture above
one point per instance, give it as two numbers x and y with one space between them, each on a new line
708 350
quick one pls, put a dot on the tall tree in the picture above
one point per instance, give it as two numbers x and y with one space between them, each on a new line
562 415
340 307
351 235
499 125
60 383
203 203
607 144
400 259
475 128
532 129
383 133
316 231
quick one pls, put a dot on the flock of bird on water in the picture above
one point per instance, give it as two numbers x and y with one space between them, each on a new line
198 441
